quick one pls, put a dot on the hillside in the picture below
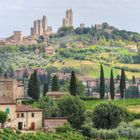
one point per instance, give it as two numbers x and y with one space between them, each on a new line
85 61
80 49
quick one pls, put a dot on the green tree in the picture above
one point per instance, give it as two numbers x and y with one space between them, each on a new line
102 83
108 116
73 85
55 83
74 109
122 83
133 80
45 88
34 86
3 117
112 87
80 90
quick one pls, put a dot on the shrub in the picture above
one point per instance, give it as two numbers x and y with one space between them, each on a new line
108 116
135 124
73 108
64 129
104 134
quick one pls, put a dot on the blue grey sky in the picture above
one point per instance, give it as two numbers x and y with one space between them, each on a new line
19 14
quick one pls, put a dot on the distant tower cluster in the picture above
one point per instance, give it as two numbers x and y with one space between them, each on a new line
40 27
18 36
68 20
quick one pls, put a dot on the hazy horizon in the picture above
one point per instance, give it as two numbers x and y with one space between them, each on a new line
20 14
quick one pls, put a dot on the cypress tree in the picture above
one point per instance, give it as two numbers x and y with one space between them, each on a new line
45 88
122 83
102 83
73 85
55 83
30 87
112 86
133 80
34 86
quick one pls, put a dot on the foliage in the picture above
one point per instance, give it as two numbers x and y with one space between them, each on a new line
34 86
45 89
55 83
73 84
108 116
132 92
3 117
65 128
112 86
80 90
48 105
102 83
129 131
8 134
73 108
122 83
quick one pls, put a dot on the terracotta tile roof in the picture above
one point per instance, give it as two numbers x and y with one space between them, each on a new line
4 100
26 108
56 93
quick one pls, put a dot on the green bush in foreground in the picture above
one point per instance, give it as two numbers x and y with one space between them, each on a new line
9 134
108 116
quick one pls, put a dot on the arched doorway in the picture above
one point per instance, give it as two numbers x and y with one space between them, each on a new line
33 126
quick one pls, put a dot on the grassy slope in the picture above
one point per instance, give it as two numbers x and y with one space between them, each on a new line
131 104
92 69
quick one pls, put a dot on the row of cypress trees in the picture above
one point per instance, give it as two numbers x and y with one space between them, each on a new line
112 84
34 85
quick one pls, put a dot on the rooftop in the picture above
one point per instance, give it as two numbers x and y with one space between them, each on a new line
5 100
27 108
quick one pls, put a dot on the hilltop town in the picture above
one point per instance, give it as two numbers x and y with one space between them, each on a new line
77 83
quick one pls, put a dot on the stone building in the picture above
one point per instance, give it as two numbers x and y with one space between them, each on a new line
18 36
40 27
44 24
68 20
50 124
11 88
20 116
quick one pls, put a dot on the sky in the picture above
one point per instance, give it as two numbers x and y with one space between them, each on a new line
20 14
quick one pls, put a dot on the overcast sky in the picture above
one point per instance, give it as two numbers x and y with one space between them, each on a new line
19 14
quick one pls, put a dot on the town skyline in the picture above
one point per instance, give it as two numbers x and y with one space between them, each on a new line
21 14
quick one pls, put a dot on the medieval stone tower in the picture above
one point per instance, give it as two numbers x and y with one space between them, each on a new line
68 20
39 27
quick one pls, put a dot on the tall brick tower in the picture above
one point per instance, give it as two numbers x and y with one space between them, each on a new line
68 20
40 29
44 24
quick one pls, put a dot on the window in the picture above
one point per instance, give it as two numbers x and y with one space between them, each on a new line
18 115
22 115
33 114
7 110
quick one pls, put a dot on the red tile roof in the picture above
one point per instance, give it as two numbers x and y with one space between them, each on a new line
27 108
5 100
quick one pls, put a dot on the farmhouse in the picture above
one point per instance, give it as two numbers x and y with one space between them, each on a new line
21 117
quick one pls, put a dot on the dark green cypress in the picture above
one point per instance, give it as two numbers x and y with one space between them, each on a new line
55 83
73 85
112 86
45 89
133 80
30 88
34 86
102 83
122 83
